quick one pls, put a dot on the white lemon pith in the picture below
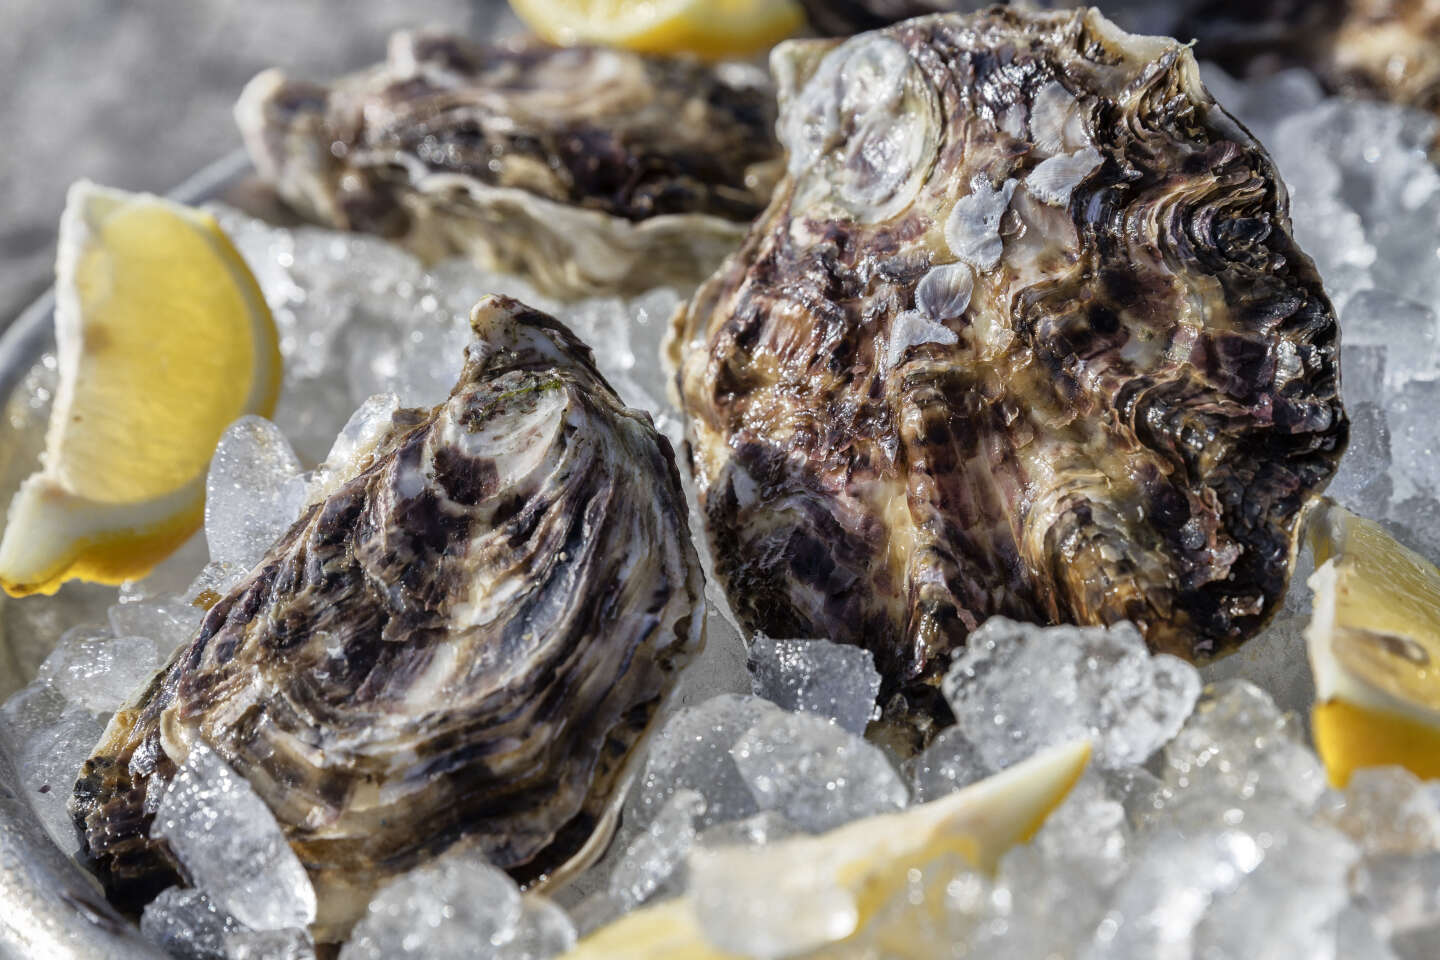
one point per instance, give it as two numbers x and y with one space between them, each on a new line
866 861
1374 643
703 27
162 340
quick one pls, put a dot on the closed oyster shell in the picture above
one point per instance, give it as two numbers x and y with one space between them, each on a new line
1063 363
465 639
591 170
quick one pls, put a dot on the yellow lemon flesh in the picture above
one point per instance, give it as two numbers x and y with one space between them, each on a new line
865 863
707 28
1374 643
162 340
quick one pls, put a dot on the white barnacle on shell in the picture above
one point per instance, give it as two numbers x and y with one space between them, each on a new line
973 228
911 329
945 291
860 130
1055 122
1053 180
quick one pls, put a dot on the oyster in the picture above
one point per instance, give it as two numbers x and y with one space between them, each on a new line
1022 332
464 638
592 170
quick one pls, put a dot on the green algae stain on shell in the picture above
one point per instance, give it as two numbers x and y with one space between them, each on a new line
463 639
1068 367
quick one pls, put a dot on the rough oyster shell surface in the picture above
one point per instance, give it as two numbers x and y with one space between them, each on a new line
592 170
465 639
1023 332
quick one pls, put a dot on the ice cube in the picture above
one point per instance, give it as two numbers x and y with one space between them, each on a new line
1363 482
1356 935
94 669
1385 810
311 411
1239 745
544 931
188 924
947 764
651 859
49 739
1017 688
1274 659
166 619
253 492
244 944
231 846
692 752
457 906
1407 330
1402 889
835 681
366 427
1255 882
815 773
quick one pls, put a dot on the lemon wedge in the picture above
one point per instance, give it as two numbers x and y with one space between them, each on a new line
708 28
1374 643
778 889
162 340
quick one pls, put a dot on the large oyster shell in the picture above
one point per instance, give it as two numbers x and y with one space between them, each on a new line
592 170
466 638
1023 332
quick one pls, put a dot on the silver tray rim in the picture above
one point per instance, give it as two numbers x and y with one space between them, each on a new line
50 907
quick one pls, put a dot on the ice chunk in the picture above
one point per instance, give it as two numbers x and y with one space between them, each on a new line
1239 745
973 228
1053 180
1258 883
1017 688
1052 893
269 945
544 931
98 671
231 847
1402 889
650 860
213 582
1414 436
167 619
253 492
456 908
49 740
1363 482
310 411
1274 659
1406 330
912 329
188 925
815 773
947 764
366 427
692 752
833 680
1386 810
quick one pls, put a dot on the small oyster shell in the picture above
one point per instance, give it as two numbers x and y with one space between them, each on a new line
592 170
1083 375
466 639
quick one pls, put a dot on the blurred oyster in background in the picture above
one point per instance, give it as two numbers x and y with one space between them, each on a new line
462 637
590 170
1022 335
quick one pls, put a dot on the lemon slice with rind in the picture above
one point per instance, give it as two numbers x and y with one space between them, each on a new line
865 862
707 28
1374 643
162 339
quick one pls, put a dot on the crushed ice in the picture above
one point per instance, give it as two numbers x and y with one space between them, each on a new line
1205 827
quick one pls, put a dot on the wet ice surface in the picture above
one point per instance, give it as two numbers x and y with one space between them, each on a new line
1203 830
458 908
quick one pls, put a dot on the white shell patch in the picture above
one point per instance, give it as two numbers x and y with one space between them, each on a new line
944 292
911 329
1055 120
1053 180
973 229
